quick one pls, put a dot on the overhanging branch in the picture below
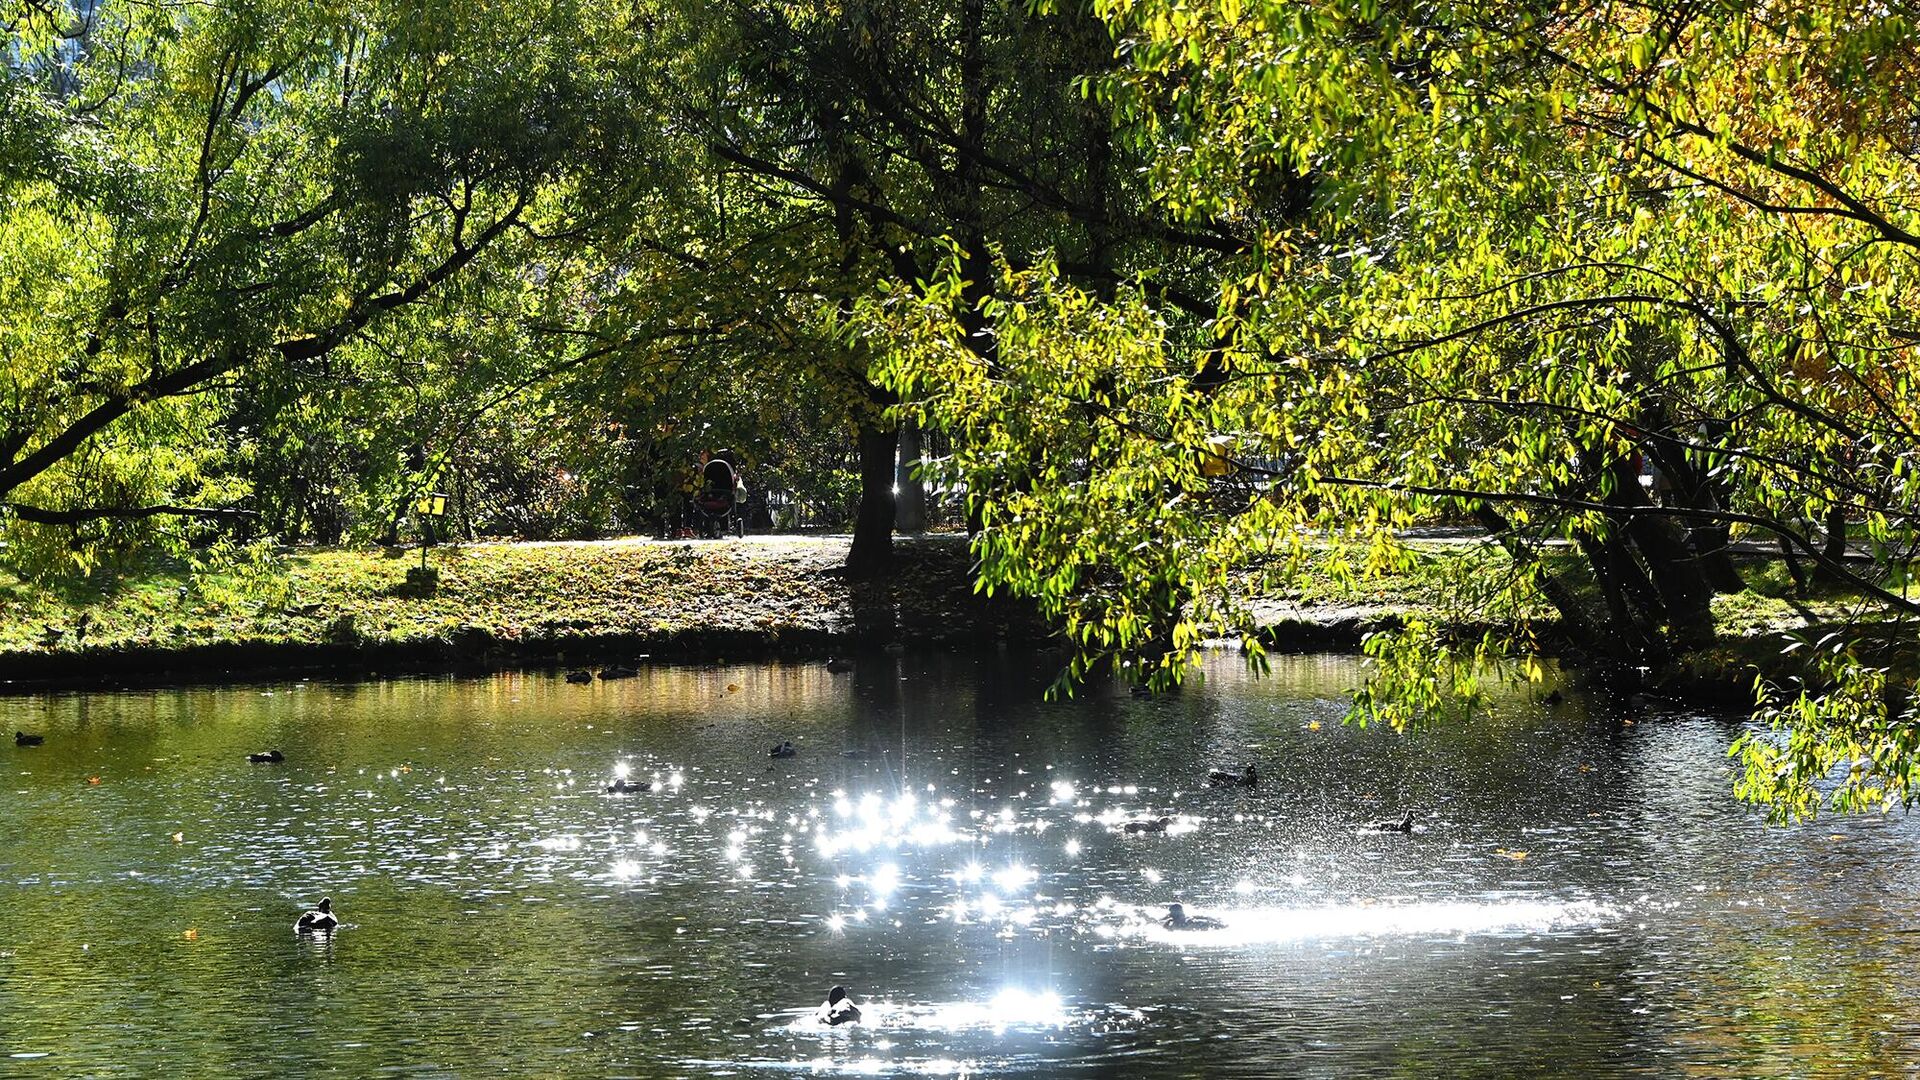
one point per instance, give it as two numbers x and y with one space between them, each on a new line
42 516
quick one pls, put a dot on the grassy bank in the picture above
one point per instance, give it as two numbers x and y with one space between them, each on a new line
577 602
504 602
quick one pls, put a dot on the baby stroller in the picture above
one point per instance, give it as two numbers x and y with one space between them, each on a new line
718 506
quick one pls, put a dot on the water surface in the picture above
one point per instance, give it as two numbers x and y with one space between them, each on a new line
1580 894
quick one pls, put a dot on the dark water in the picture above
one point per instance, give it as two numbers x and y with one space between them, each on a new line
1581 896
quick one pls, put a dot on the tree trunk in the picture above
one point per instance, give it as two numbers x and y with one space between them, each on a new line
1835 548
1625 634
872 553
1670 564
911 514
1708 539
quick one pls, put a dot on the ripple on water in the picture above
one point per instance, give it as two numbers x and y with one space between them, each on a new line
977 878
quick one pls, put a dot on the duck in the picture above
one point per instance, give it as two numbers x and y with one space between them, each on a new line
839 665
1404 825
21 738
621 785
1149 825
318 921
1553 699
785 749
618 672
1246 777
1178 919
839 1007
271 757
579 675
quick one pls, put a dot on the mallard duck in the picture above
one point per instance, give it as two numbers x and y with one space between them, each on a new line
319 920
839 665
1404 825
1178 919
621 785
271 757
579 675
618 672
1246 777
785 749
839 1007
21 738
1153 825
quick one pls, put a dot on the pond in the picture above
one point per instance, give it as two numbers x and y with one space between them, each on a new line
1579 894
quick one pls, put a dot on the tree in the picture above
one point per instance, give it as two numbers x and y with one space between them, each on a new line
1544 246
849 144
204 200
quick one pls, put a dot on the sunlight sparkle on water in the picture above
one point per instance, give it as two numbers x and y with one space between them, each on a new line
1012 1007
889 824
1013 877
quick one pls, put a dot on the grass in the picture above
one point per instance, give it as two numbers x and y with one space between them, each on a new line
556 592
510 590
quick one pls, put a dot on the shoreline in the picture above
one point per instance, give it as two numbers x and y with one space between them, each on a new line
589 604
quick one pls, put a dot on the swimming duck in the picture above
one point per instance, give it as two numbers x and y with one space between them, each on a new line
1404 825
785 749
580 675
21 738
1246 777
618 672
839 665
271 757
621 785
839 1007
319 920
1553 699
1178 919
1152 825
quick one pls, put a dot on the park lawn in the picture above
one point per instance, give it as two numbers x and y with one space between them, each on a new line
553 590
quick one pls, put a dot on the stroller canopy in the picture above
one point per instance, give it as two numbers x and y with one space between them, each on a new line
717 480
